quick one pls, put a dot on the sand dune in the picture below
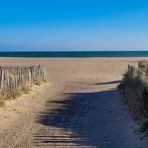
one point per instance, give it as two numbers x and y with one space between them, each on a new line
80 107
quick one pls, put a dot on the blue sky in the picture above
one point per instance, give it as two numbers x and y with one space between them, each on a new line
73 25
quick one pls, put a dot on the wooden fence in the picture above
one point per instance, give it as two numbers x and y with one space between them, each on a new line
14 77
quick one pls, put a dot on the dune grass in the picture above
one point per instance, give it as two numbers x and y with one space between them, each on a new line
134 88
18 93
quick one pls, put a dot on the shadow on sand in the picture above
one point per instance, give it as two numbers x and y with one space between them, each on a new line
79 120
109 82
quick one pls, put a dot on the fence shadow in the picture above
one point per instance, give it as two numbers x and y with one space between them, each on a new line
79 120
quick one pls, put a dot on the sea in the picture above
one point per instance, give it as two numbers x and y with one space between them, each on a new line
73 54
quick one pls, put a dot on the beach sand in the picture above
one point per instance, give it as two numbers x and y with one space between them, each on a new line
80 107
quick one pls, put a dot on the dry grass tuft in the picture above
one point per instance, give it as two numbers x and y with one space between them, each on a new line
2 102
25 89
39 82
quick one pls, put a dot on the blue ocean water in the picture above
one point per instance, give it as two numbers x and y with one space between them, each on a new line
74 54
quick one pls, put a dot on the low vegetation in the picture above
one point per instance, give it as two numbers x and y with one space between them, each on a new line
17 93
39 82
2 101
134 88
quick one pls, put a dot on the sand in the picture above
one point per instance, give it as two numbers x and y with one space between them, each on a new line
79 107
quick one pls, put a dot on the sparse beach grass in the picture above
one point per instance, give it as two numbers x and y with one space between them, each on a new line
17 93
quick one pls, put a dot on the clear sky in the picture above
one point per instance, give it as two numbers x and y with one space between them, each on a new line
73 25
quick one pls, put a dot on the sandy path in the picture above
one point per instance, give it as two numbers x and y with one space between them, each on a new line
80 108
87 115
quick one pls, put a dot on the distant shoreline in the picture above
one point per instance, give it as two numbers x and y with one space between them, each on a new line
73 54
